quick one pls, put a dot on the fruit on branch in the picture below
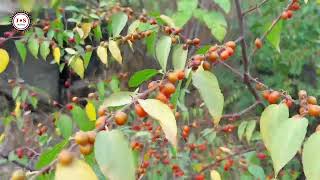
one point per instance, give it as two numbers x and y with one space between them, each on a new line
206 65
120 118
294 6
198 58
224 55
213 56
274 97
71 40
140 111
101 121
230 51
75 100
168 89
86 149
181 75
69 107
259 86
228 165
284 15
161 97
65 157
81 138
18 175
196 41
313 110
101 111
231 44
289 102
67 84
258 43
91 136
266 94
261 156
290 14
302 94
19 152
312 100
199 177
172 77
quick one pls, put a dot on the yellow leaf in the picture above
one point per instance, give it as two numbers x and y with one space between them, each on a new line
102 53
56 55
86 28
161 112
115 51
91 111
80 31
77 66
2 136
17 109
78 170
215 175
4 60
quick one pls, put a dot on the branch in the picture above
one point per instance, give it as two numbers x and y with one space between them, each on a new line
257 6
244 53
244 111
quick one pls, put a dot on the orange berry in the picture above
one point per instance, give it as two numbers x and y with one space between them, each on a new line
75 99
140 111
198 57
289 102
161 97
230 51
81 138
224 55
92 136
284 15
258 43
231 44
186 129
152 84
206 65
168 89
213 48
173 77
312 100
213 56
65 157
102 111
181 75
86 149
196 41
313 110
101 121
274 97
120 118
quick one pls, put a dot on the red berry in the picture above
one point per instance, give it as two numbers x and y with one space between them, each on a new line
71 40
261 156
69 107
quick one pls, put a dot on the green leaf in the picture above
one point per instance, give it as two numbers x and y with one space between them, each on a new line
97 33
180 18
118 22
115 84
256 171
50 154
151 41
33 46
65 126
161 112
86 59
133 26
141 76
15 92
179 57
187 5
101 90
162 51
45 49
215 21
224 4
274 36
22 50
114 155
241 129
282 136
80 117
249 130
119 99
208 87
311 157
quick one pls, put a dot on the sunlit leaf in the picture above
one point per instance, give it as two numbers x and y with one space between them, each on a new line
102 53
115 51
133 26
91 111
119 99
161 112
118 22
86 28
167 20
78 169
215 175
56 55
179 57
311 157
4 60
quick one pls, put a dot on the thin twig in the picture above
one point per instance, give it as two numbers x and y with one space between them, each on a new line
244 111
257 6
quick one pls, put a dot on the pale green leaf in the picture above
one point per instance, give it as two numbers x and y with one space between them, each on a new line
65 125
179 57
275 35
22 50
133 26
162 51
33 46
249 130
114 155
241 129
208 87
224 4
119 99
45 49
311 157
167 20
